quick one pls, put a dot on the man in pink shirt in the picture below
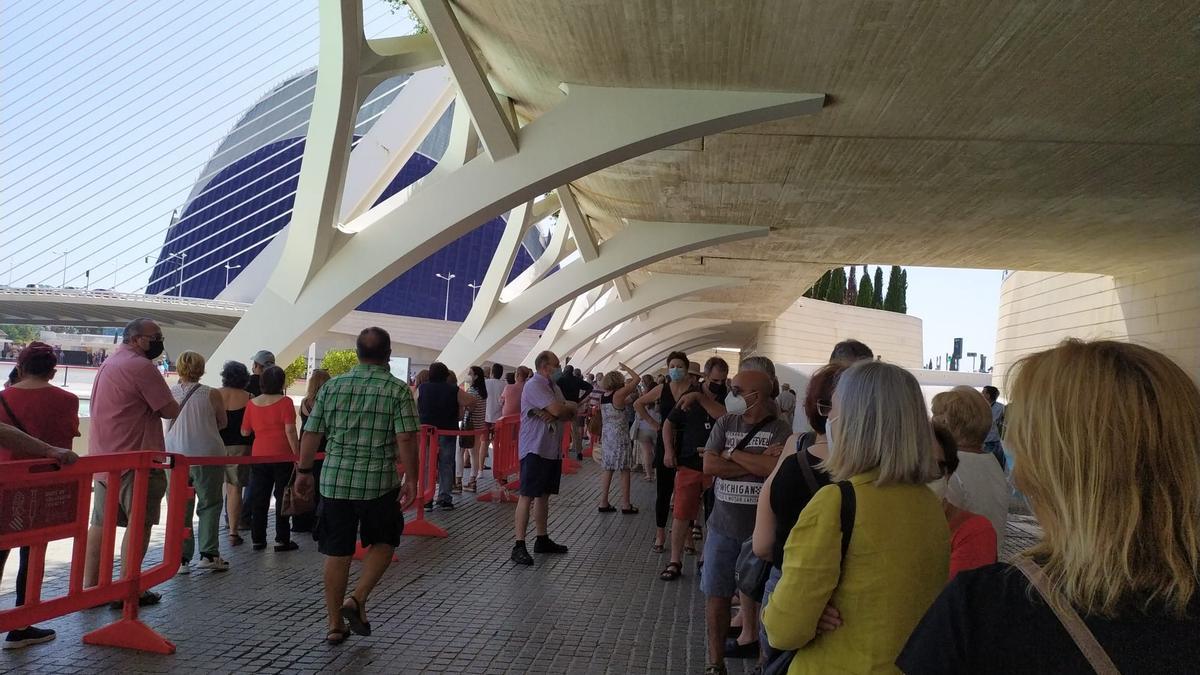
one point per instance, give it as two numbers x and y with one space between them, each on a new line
129 401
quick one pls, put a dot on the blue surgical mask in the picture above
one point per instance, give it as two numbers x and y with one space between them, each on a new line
555 374
676 374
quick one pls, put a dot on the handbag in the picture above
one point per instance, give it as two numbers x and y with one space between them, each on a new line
751 571
294 503
778 661
1080 634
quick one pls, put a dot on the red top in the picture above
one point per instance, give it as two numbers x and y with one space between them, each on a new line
267 425
972 542
49 414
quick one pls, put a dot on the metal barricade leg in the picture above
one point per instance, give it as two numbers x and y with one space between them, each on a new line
426 486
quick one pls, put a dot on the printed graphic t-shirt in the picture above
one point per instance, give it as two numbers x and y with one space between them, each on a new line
737 498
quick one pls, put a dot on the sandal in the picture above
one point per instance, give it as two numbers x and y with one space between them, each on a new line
659 548
697 533
457 489
607 509
689 549
470 486
630 511
236 540
337 637
671 572
354 617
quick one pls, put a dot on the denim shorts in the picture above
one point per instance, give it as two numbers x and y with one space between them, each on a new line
720 565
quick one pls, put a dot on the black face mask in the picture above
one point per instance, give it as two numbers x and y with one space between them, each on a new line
155 349
718 389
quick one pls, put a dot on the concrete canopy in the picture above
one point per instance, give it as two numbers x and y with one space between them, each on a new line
1047 136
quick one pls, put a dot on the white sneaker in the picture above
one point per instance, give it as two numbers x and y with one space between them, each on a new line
217 564
184 569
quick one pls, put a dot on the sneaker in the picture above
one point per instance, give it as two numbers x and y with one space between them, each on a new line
544 544
446 505
429 506
215 563
520 554
184 568
18 639
287 546
715 669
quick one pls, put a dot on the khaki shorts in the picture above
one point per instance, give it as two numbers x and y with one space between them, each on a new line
237 474
155 491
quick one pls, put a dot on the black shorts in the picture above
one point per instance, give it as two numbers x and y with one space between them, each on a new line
539 476
375 521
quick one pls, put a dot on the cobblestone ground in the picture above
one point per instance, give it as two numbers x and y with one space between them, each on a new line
453 605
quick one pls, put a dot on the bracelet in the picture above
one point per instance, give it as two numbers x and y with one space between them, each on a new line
304 472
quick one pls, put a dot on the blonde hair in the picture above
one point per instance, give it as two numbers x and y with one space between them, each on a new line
966 413
1106 437
190 366
612 381
317 380
881 424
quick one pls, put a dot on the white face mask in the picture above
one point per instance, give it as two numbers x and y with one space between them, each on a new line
939 487
735 405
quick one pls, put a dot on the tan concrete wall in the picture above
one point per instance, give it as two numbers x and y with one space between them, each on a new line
732 358
1158 308
808 330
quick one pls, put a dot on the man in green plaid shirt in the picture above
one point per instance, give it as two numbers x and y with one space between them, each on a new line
369 421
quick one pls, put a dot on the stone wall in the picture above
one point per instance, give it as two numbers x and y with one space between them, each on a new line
808 330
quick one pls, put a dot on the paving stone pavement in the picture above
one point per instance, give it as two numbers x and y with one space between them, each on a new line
453 605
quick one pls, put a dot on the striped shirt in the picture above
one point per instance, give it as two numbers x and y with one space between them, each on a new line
360 414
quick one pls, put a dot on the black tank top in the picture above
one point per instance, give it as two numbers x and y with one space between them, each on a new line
437 405
232 433
666 403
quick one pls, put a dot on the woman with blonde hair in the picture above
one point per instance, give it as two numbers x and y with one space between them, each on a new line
617 448
875 544
1107 441
979 484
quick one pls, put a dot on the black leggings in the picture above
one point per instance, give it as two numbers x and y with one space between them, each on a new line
267 480
22 572
665 478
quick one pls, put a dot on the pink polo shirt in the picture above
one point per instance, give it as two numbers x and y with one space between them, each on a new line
126 395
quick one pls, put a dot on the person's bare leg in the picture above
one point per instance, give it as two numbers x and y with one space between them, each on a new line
605 486
91 568
337 572
660 536
477 454
625 503
541 507
125 542
749 615
648 458
233 507
716 622
522 517
679 535
375 563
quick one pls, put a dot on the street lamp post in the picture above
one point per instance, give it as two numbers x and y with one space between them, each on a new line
227 268
446 277
474 290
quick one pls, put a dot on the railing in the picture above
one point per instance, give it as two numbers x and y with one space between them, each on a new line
117 295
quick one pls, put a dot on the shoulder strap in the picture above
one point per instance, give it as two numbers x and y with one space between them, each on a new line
753 431
1080 634
12 416
810 478
849 508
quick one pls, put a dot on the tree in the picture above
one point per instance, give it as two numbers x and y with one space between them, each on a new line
818 289
21 334
866 294
338 361
295 370
398 5
851 296
902 304
877 301
837 286
893 290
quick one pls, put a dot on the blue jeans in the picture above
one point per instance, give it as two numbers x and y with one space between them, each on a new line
447 445
768 589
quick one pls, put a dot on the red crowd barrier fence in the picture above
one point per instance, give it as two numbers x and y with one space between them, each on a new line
506 466
569 465
42 501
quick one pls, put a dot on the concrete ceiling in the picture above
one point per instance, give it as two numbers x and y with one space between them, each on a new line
1053 136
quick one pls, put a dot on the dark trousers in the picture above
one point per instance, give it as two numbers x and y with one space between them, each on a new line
22 572
307 522
665 478
267 480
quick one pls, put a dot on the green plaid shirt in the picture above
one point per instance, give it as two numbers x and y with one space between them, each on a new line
360 414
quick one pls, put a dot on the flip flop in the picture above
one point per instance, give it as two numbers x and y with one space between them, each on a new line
630 511
607 509
353 616
337 637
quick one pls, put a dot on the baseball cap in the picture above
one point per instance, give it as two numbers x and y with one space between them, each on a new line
264 358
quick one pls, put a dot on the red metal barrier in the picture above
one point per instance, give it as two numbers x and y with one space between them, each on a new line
41 501
569 465
506 466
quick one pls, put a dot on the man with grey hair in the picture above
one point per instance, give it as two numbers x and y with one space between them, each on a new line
129 400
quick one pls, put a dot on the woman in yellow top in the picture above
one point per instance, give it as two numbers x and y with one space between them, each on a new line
898 557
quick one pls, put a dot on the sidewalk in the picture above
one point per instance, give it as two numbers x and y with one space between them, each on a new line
453 605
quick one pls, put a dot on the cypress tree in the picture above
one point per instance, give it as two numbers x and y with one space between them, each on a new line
903 303
822 286
878 299
866 294
890 299
851 290
837 286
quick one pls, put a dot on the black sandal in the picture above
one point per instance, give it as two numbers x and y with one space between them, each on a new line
607 509
630 511
672 571
337 637
353 616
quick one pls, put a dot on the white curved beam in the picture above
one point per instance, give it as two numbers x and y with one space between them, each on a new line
637 245
658 290
688 348
651 340
636 334
664 346
560 247
593 128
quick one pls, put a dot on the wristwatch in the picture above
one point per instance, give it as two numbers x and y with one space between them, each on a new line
303 471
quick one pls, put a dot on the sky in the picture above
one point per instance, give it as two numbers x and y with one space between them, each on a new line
108 111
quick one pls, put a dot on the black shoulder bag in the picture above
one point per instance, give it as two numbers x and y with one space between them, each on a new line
778 662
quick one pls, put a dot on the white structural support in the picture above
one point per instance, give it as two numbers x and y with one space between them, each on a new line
592 128
656 291
637 348
637 245
654 355
560 247
658 319
659 360
581 232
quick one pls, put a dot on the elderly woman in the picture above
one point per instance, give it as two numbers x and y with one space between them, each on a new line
617 450
196 432
979 484
1107 441
875 544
